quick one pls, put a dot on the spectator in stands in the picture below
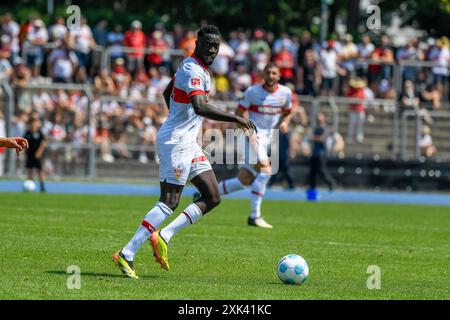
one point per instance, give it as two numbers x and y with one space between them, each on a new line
284 41
241 48
135 39
385 57
356 111
427 91
62 63
104 83
427 148
82 41
442 57
241 78
11 28
284 59
6 70
21 73
407 53
347 56
159 80
5 47
365 52
335 144
58 30
115 40
259 50
306 43
410 101
308 75
36 38
329 68
101 137
158 46
187 43
100 33
386 90
121 78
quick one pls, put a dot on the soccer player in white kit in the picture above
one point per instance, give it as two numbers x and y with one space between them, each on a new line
181 158
269 107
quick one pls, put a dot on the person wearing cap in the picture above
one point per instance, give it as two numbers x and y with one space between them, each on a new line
36 38
347 56
356 112
135 39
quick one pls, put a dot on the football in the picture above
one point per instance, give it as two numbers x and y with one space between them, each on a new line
292 269
29 186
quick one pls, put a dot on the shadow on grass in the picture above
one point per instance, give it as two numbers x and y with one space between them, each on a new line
96 274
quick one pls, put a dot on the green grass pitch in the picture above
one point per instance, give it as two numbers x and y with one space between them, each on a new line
221 257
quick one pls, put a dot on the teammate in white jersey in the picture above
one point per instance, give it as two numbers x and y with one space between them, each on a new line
181 158
269 107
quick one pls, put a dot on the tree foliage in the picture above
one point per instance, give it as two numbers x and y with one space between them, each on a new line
278 16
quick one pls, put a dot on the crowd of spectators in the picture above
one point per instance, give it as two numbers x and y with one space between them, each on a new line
32 52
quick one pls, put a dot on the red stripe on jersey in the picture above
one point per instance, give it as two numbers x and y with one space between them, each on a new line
242 107
187 216
180 96
196 92
257 109
199 159
148 226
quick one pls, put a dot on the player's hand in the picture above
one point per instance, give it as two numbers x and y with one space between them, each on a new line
284 127
17 143
247 125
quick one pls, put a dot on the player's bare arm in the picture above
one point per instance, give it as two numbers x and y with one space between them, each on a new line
283 124
41 149
167 92
17 143
206 110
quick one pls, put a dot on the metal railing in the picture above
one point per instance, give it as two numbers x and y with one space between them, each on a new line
334 105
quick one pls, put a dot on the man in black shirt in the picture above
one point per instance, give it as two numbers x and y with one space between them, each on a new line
37 143
317 165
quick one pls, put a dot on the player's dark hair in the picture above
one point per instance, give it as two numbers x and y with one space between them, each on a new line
208 29
271 65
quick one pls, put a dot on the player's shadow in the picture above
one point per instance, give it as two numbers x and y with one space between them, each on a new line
95 274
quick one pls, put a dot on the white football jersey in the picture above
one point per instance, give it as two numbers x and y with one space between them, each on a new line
265 108
183 124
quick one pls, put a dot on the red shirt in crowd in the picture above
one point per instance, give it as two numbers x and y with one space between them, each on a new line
285 61
160 46
135 39
356 93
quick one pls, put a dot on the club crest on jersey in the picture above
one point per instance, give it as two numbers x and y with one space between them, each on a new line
195 82
178 172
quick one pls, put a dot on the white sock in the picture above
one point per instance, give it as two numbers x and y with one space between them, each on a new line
230 185
189 216
258 190
152 221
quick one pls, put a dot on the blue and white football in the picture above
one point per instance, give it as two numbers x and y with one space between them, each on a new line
292 269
